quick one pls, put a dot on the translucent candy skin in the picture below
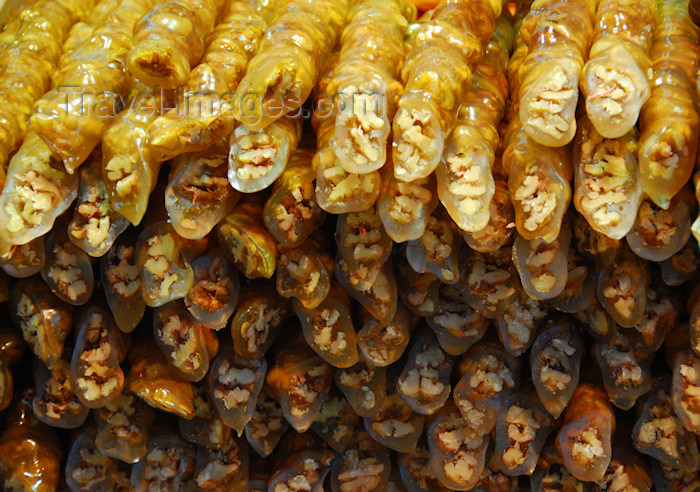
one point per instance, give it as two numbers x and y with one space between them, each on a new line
488 377
291 212
457 449
585 437
488 281
464 177
659 433
188 345
235 383
499 229
153 380
44 320
121 283
37 190
96 224
659 234
95 373
165 453
243 236
214 294
129 169
543 265
551 474
73 116
395 426
309 467
169 41
380 298
365 80
123 427
437 251
328 328
593 245
265 428
29 61
521 430
405 208
288 61
579 292
607 190
424 382
627 467
416 473
365 465
258 157
300 381
558 35
669 121
615 80
538 183
684 389
437 74
420 292
165 273
87 467
55 402
30 454
669 479
68 269
681 267
225 468
555 362
336 423
622 289
22 261
626 373
230 46
363 386
457 325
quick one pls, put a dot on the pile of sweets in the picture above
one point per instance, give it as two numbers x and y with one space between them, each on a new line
349 245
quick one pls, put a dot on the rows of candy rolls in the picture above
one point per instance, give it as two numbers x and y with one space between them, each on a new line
356 266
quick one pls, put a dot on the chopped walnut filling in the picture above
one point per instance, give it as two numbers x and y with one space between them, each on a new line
31 321
622 363
587 447
664 428
659 313
558 479
213 291
205 189
304 271
680 480
456 437
120 414
656 226
234 384
420 470
180 335
345 185
436 242
36 191
92 467
324 334
418 291
555 364
619 291
364 125
423 381
296 206
257 153
521 319
306 388
360 380
537 201
96 380
416 143
121 171
66 271
605 178
305 478
617 479
359 472
690 391
267 418
332 418
491 375
59 397
468 184
122 272
609 89
409 202
22 255
686 261
162 465
362 276
95 211
255 331
363 236
539 261
161 249
454 314
488 280
551 109
394 421
222 466
522 430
